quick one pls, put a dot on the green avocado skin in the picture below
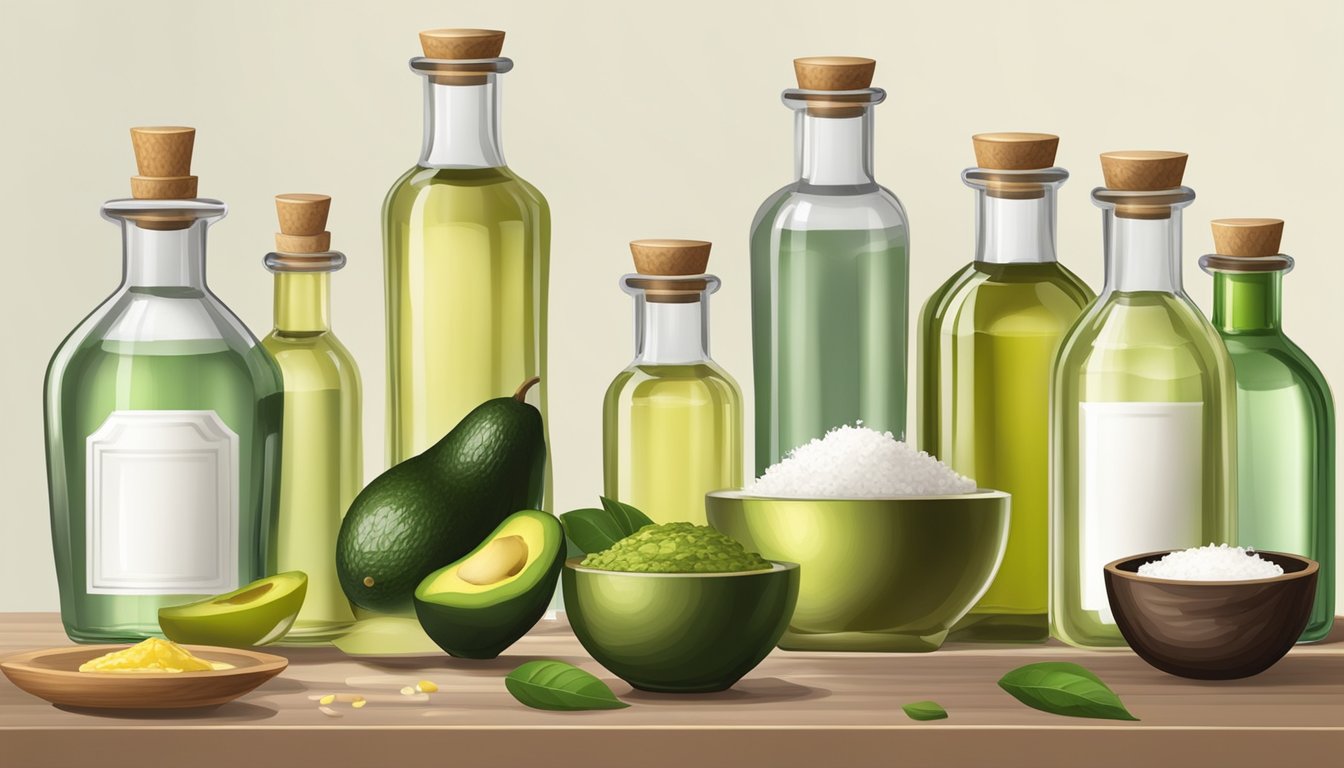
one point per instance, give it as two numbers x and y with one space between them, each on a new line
487 628
434 508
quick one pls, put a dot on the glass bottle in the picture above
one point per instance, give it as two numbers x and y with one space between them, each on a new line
672 420
467 250
163 422
1143 410
988 338
323 466
829 273
1285 414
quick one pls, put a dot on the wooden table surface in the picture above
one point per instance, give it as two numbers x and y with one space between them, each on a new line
810 709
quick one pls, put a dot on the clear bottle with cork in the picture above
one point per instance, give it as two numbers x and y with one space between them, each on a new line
672 420
467 253
1143 414
987 344
322 467
1285 413
163 418
829 272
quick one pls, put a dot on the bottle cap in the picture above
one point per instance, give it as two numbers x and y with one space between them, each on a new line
671 258
163 160
1144 171
462 43
303 223
1256 238
834 73
1013 151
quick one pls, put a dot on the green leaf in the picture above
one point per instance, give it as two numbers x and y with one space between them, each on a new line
591 530
629 518
925 710
1063 688
555 685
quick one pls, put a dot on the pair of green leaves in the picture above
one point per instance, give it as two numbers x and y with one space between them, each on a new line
595 530
1064 688
561 687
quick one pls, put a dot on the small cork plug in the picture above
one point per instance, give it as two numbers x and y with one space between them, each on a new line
1255 238
834 73
1143 171
163 160
1015 151
303 223
451 44
671 258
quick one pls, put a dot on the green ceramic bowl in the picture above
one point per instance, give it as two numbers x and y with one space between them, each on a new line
679 632
888 574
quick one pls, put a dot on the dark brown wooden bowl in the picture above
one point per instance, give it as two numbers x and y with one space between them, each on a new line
1212 630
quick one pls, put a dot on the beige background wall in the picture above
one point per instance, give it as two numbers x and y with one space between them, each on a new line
636 119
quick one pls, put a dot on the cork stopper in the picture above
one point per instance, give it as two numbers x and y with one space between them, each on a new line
1015 151
1256 238
462 43
163 161
671 258
1143 171
834 73
303 223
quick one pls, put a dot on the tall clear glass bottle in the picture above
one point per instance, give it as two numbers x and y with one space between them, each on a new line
672 420
467 249
163 422
987 342
829 273
1285 413
1143 410
323 466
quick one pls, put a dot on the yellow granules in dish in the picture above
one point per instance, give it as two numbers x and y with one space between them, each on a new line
152 655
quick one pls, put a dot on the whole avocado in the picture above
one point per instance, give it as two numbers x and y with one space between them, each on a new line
433 508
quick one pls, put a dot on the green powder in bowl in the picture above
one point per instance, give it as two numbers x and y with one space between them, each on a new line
676 548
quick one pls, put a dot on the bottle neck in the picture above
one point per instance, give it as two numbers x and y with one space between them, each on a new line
462 124
671 333
1247 301
835 151
1143 254
164 258
1015 231
302 303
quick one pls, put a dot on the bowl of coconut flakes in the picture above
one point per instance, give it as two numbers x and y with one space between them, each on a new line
1212 613
894 547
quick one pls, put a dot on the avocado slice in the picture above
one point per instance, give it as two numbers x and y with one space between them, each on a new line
481 604
257 614
435 507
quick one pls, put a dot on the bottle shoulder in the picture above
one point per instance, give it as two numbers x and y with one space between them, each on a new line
1121 331
796 207
1274 361
1045 296
469 193
706 377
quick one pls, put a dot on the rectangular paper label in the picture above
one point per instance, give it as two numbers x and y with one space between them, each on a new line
1141 485
161 510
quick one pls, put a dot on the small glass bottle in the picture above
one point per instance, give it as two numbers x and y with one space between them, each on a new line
323 466
988 338
466 244
163 419
1143 414
829 273
672 420
1285 414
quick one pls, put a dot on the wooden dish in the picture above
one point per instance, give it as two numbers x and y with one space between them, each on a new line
1212 630
53 674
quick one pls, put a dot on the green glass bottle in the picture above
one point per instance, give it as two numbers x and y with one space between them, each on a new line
163 419
1285 414
672 420
322 467
987 342
1143 409
467 253
829 273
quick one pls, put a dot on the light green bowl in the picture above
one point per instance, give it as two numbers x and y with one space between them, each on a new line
679 632
889 574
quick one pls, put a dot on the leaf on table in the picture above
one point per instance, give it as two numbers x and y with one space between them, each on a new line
557 686
925 710
591 530
629 518
1064 688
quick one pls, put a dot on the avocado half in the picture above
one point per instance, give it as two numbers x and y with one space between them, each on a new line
481 604
259 613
